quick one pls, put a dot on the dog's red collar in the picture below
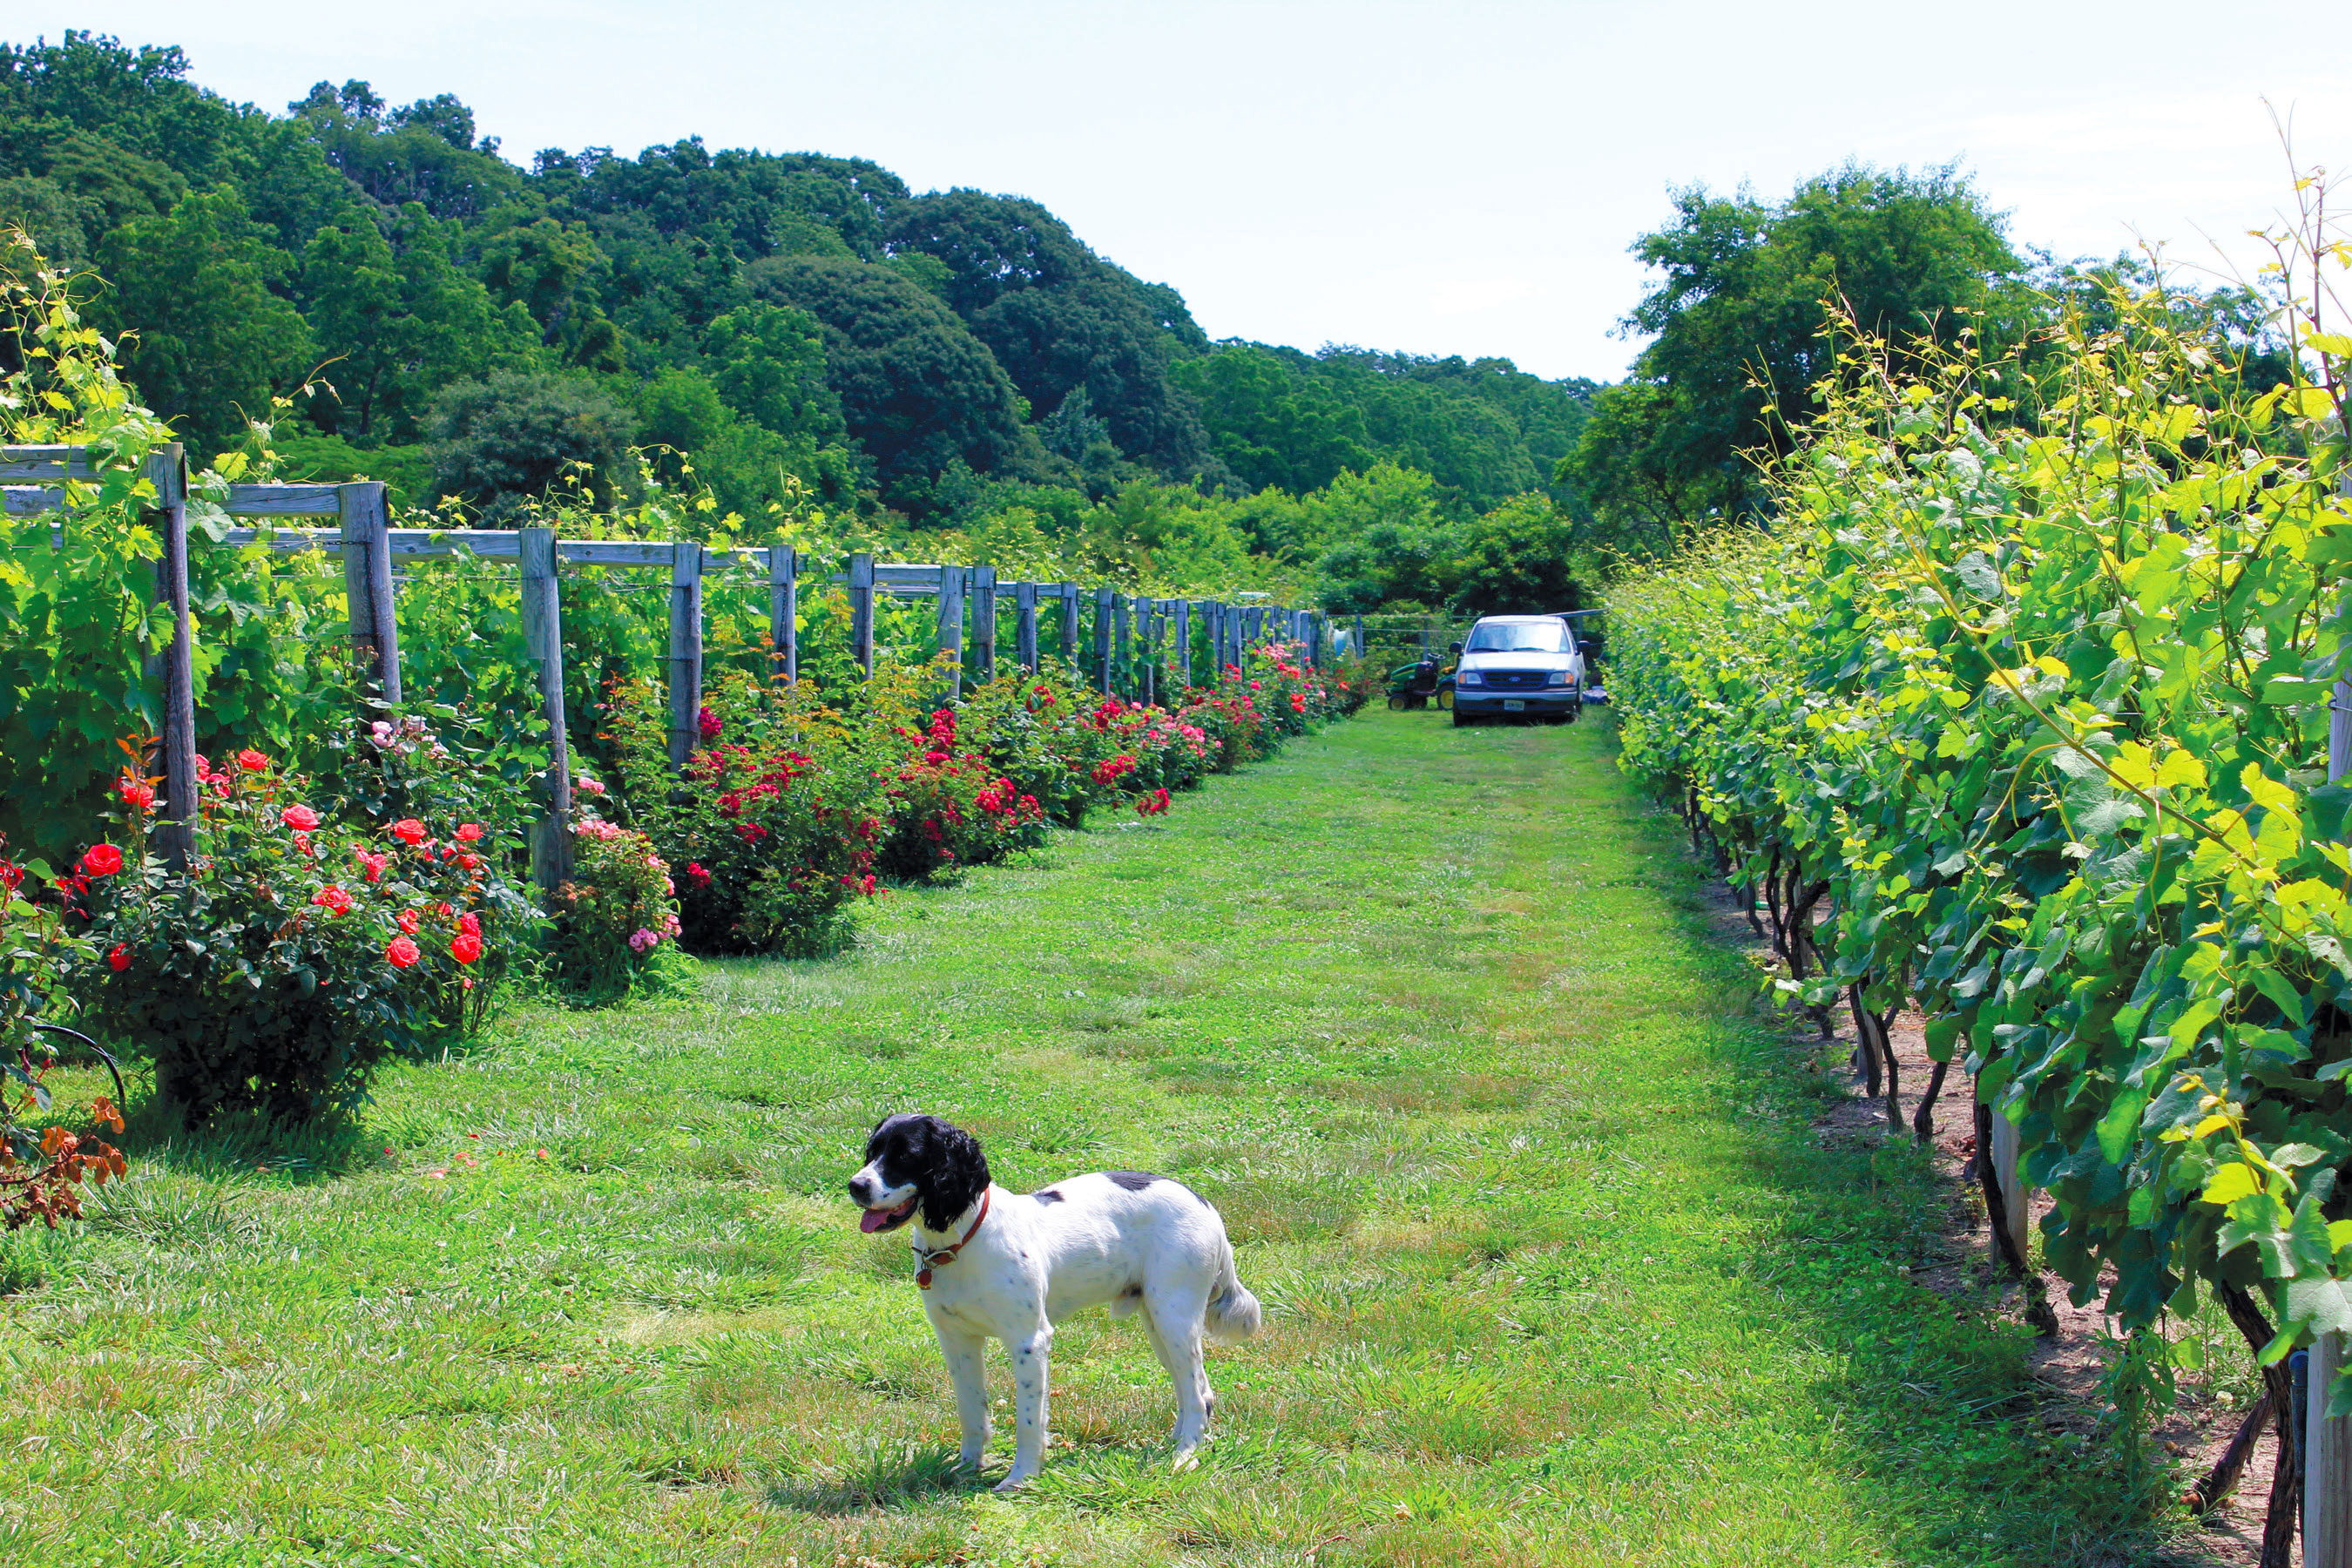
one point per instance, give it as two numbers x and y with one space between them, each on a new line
927 1261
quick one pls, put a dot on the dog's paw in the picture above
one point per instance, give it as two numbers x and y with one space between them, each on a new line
1014 1482
1185 1459
971 1458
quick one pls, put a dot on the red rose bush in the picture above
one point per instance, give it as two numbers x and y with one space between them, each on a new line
296 951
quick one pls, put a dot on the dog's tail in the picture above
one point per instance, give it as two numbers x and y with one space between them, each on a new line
1234 1312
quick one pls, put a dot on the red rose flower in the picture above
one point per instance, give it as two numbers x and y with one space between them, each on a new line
408 830
102 860
137 794
402 952
118 958
300 818
468 832
374 865
334 899
467 947
409 921
251 761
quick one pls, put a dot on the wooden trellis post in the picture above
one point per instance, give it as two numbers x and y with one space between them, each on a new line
167 471
784 610
1121 649
861 612
950 606
685 650
366 527
542 628
983 624
1147 650
1183 667
1025 625
1102 638
1069 593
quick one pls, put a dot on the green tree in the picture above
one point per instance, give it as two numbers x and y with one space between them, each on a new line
1391 541
1742 321
502 442
396 324
915 387
767 362
208 341
1271 425
1061 319
552 270
1522 556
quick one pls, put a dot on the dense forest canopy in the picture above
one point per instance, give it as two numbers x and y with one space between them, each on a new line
818 345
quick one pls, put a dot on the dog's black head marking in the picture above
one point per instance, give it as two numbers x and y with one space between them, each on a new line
1133 1181
1050 1195
940 1159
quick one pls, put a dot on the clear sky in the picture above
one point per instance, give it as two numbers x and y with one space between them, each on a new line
1437 178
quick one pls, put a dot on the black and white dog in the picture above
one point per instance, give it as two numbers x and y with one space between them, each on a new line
995 1265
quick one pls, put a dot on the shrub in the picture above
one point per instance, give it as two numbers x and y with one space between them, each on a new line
613 916
949 808
294 954
774 824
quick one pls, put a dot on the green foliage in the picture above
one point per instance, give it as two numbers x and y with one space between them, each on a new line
501 443
1062 321
1484 429
395 319
1526 554
2043 705
915 388
206 336
1746 320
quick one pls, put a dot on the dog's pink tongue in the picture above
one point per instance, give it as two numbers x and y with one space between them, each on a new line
873 1219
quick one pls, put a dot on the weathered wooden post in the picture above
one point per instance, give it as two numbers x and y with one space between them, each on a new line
1068 593
1025 625
367 583
1102 639
1147 650
1183 667
950 608
784 610
983 624
685 650
1363 650
542 629
1121 649
167 471
861 612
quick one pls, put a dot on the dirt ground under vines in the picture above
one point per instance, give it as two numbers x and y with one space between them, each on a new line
2073 1364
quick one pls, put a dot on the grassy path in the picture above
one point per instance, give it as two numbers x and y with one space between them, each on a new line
1553 1271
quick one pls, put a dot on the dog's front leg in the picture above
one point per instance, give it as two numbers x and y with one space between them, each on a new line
966 1370
1030 1375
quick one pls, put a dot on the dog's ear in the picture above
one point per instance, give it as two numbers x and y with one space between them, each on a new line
874 1139
954 1174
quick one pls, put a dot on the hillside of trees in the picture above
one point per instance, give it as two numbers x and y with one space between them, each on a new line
817 346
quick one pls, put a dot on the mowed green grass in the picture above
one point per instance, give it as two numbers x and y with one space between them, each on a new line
1553 1269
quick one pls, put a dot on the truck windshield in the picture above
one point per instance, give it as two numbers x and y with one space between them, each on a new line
1519 636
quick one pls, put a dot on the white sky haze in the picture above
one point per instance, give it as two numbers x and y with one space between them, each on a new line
1459 178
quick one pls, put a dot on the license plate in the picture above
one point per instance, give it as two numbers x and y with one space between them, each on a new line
1514 705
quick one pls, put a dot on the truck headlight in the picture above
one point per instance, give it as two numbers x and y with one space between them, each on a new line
1557 678
1469 677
